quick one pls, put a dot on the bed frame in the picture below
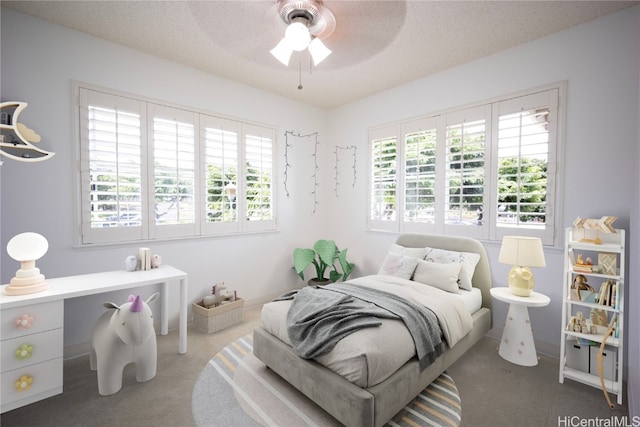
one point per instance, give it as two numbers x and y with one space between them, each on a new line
374 406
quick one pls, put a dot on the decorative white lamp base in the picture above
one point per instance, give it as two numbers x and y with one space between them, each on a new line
27 248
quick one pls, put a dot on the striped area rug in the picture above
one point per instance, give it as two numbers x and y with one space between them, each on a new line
236 389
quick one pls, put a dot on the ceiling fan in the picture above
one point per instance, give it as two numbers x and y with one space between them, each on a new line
305 24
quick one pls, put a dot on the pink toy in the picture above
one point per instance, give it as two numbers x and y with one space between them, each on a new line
121 337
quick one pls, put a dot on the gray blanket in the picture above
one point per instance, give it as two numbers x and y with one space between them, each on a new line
321 316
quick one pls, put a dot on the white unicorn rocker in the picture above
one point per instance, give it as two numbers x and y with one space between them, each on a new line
124 336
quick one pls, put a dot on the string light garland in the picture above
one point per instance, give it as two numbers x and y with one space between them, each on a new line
288 165
354 154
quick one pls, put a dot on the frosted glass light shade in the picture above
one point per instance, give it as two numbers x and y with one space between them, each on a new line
297 36
282 52
318 51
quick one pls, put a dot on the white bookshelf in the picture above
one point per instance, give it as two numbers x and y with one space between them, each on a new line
582 241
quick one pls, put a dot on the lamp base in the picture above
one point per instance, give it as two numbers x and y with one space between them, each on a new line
13 289
26 281
521 281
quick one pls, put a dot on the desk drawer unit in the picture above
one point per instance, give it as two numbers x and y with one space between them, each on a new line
31 350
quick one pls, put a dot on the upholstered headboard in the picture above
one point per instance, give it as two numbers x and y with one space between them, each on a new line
482 275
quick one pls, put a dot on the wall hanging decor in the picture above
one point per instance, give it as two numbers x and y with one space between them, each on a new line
16 139
354 154
314 177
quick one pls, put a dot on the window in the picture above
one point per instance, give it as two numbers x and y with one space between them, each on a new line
420 175
483 171
383 179
150 171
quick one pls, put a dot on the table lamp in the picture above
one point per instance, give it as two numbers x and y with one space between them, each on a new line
27 248
521 253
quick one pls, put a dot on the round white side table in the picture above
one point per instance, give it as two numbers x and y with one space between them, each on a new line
517 344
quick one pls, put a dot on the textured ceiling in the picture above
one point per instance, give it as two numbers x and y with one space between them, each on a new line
376 44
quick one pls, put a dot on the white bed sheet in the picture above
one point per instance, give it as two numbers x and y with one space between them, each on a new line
370 366
472 299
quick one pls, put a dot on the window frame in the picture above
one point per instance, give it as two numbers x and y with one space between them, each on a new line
490 110
84 95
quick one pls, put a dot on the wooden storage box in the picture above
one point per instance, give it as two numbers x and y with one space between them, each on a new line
210 320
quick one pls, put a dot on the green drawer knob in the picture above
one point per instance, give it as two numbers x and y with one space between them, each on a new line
24 351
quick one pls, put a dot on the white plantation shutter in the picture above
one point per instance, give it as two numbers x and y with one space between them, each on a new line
484 171
221 178
383 179
258 186
466 168
152 171
111 167
420 168
525 165
174 205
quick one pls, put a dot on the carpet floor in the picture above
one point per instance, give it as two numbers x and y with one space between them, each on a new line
236 389
494 392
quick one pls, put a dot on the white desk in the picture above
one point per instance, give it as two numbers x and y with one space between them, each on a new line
89 284
44 367
517 344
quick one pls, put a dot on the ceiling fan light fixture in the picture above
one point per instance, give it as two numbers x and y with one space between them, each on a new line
305 24
318 51
282 52
297 35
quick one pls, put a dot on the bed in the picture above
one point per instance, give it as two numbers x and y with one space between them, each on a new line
374 400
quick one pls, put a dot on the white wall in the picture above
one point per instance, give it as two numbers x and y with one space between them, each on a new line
39 62
599 60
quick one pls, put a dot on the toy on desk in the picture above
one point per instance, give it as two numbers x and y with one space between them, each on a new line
131 263
120 337
156 261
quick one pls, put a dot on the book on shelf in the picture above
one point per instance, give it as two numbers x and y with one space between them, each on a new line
609 294
583 268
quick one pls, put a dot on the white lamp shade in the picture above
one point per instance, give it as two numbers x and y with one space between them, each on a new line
297 36
27 246
282 52
522 251
318 51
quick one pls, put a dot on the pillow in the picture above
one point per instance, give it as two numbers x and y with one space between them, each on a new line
467 259
441 276
410 252
398 266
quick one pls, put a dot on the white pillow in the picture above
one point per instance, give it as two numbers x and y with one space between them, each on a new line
410 252
441 276
467 259
398 266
